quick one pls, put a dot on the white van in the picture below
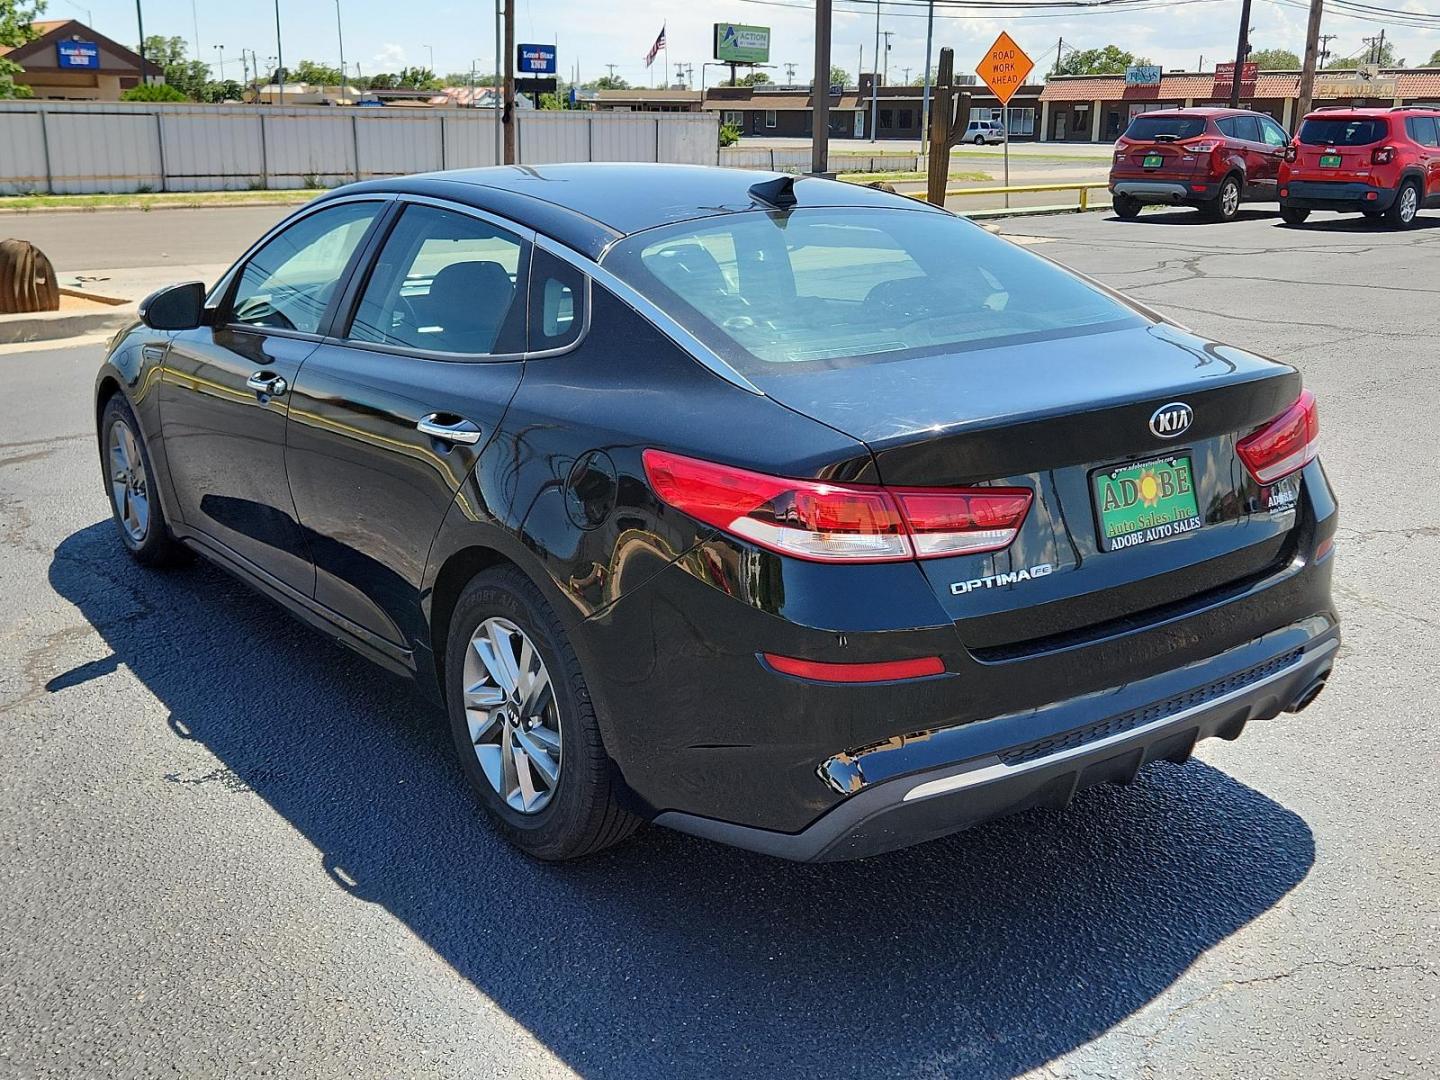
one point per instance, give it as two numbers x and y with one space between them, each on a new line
981 132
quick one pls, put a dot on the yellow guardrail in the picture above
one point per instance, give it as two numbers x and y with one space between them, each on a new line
1019 189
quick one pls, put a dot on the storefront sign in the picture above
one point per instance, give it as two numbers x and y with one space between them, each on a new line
1142 75
741 44
535 59
1351 84
1225 76
77 54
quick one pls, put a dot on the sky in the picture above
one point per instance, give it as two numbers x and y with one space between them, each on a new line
382 35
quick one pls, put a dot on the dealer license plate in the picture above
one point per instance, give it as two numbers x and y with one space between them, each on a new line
1330 161
1153 161
1145 501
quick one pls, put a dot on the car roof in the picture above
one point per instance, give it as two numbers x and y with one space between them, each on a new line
589 206
1203 110
1369 111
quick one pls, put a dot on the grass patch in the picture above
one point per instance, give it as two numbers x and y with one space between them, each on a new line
169 200
873 177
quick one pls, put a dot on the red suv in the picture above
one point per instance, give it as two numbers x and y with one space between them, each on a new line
1383 163
1211 158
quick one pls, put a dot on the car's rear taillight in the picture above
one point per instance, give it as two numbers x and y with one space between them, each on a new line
1285 444
1292 152
822 522
1382 155
1205 147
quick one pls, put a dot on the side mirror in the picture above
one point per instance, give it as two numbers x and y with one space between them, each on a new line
175 307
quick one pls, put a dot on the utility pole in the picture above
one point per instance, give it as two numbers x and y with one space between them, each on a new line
1307 72
790 75
612 70
1059 51
509 118
1325 40
140 19
820 91
340 33
875 77
1241 51
886 62
279 55
499 81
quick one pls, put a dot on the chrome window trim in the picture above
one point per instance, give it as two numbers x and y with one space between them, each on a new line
652 314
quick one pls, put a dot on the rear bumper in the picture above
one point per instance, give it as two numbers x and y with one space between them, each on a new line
1335 195
900 794
1173 192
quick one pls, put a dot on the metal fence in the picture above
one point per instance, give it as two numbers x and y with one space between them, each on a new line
797 160
73 148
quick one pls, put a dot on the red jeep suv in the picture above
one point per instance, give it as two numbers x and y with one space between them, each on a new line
1210 158
1383 163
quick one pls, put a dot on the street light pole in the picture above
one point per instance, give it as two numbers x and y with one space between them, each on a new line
140 19
925 104
340 33
875 76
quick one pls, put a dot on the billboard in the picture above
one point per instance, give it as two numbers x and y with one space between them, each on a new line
77 54
1142 75
535 59
736 43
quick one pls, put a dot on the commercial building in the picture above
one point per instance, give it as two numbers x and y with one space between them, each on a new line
640 99
1098 108
70 62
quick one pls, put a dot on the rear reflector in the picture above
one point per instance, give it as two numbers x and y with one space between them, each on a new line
852 523
1284 445
886 671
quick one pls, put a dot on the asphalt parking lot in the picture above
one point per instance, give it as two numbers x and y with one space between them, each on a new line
231 848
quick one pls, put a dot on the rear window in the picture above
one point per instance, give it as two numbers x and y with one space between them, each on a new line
835 285
1175 127
1343 131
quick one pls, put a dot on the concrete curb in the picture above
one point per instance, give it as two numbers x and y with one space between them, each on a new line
1032 211
52 325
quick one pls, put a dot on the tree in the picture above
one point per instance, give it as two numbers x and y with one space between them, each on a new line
755 78
1275 60
1434 60
153 92
462 78
1111 60
309 71
607 82
190 77
15 29
417 78
919 80
839 77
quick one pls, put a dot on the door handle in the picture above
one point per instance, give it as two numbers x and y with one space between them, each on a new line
263 382
454 429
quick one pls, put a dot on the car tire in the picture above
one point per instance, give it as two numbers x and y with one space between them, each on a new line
1126 207
1405 210
1293 215
979 140
500 609
1226 204
129 482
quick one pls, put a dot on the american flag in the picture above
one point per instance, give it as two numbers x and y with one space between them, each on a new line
655 49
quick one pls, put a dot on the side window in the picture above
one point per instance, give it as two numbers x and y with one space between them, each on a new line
1273 133
557 303
445 282
289 282
1423 130
1226 124
1247 128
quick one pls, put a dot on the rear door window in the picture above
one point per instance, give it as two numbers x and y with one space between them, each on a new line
1245 128
1423 130
1149 128
446 282
1343 131
1272 133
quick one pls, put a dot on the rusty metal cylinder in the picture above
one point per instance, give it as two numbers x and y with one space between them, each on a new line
27 280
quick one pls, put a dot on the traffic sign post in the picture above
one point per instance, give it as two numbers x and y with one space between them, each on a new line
1004 69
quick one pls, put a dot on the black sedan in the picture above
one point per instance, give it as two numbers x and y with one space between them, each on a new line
780 511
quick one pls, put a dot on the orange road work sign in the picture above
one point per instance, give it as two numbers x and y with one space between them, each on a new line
1004 68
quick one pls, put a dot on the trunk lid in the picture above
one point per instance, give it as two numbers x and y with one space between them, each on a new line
1338 148
1158 160
1070 418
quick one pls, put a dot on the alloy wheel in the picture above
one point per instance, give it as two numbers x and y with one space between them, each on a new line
513 718
1409 203
1230 199
129 487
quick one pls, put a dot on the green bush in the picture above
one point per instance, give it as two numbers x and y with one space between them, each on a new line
153 92
729 134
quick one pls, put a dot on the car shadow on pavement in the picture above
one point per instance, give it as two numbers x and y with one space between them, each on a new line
1357 223
1191 216
980 955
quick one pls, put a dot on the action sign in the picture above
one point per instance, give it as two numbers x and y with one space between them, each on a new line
742 44
536 59
1004 68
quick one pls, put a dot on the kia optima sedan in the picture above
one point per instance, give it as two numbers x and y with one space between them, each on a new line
783 512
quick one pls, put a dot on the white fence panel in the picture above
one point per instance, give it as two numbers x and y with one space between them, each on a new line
692 138
305 149
22 153
621 136
103 151
547 137
392 144
211 150
470 138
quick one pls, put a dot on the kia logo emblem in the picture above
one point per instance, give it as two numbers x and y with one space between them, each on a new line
1171 421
